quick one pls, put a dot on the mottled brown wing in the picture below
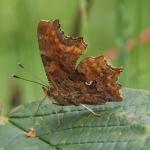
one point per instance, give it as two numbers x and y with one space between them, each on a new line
97 71
59 52
92 82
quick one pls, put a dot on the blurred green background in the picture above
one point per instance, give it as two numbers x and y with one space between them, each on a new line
120 29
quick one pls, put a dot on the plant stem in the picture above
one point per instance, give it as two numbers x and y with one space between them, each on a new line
122 35
136 52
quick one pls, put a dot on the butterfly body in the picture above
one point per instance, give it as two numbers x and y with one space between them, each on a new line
92 81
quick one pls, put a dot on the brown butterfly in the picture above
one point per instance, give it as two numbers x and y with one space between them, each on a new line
92 81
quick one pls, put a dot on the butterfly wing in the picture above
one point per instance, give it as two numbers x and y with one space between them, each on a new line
93 81
59 54
97 71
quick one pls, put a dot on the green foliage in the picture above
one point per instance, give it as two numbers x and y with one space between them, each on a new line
104 24
121 126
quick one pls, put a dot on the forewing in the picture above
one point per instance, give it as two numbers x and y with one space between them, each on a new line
59 52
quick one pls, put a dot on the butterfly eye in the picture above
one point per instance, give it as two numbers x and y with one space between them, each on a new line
88 83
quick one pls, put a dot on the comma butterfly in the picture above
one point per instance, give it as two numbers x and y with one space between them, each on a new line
92 81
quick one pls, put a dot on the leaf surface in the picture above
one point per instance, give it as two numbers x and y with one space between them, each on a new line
120 126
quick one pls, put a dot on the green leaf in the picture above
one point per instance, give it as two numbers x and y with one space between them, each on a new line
121 126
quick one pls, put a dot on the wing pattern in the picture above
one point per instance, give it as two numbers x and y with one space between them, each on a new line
93 81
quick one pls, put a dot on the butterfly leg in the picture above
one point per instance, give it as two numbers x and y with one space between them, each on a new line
44 98
61 110
58 120
89 109
37 109
58 115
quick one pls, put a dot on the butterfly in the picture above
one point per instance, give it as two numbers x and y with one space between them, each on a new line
93 81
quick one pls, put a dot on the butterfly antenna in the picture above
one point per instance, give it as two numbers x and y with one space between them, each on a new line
31 73
18 77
